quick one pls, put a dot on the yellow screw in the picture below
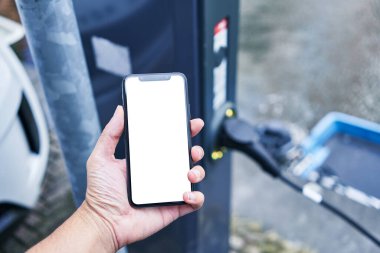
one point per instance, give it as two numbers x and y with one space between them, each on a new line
229 113
216 154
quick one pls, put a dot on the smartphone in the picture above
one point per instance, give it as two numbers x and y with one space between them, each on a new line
157 138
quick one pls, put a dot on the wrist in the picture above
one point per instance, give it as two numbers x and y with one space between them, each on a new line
101 229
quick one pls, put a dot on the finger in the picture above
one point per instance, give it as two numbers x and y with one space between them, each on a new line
196 174
196 126
197 153
111 134
195 199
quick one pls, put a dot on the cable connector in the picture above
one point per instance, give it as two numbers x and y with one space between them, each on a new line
242 136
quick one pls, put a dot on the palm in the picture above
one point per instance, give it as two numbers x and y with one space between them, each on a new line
114 205
107 191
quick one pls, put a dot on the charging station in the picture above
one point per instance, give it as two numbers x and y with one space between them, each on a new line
197 38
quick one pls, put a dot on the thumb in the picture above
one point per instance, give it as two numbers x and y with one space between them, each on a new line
110 136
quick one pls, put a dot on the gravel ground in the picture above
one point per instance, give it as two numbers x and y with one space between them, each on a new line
298 60
248 236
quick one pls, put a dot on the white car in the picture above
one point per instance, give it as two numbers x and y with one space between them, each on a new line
24 140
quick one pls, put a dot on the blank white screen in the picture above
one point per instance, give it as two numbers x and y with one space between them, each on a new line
158 139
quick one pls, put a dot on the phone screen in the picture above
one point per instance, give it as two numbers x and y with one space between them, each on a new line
158 135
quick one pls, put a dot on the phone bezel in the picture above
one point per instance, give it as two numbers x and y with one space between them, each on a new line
153 77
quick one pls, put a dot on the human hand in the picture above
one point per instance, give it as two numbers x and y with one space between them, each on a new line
106 197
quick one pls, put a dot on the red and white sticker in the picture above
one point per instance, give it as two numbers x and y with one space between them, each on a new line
220 71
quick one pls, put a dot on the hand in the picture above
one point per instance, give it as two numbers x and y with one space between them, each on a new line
106 198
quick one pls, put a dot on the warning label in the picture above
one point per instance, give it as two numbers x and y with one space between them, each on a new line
220 66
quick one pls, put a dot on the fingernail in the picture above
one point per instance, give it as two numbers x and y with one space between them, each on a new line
117 109
190 196
196 172
200 152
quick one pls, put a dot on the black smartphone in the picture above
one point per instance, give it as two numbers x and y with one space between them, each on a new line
157 138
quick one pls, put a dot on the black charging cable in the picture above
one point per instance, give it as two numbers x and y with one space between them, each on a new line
241 135
335 211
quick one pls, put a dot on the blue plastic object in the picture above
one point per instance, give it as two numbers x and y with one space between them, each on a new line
346 149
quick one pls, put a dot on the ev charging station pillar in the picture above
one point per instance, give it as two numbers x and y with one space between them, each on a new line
205 50
53 38
197 38
218 46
